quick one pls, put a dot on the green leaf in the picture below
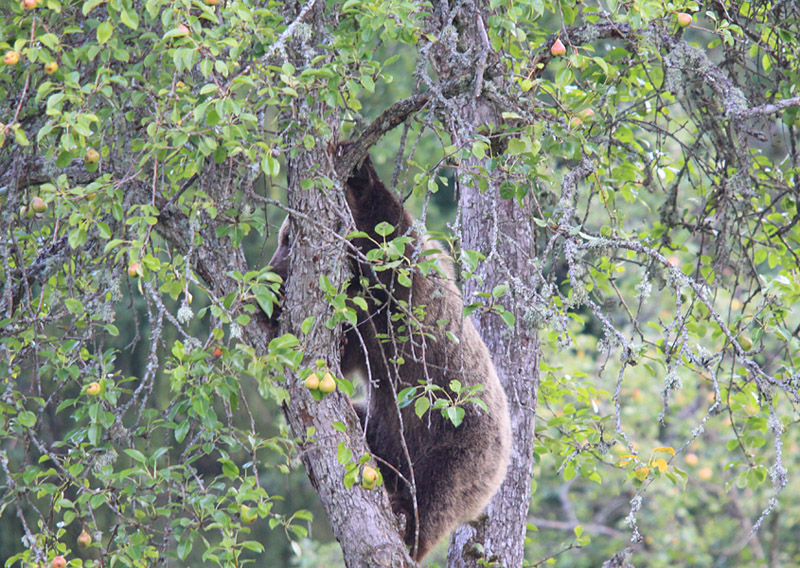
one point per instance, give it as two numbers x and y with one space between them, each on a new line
256 546
90 5
270 165
64 159
384 229
516 146
181 430
343 454
104 32
421 406
406 396
130 18
455 414
212 118
307 324
500 290
345 386
229 469
112 244
136 455
74 306
508 318
27 418
266 299
20 137
183 549
78 237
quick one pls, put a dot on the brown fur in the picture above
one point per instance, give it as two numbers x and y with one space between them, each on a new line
456 470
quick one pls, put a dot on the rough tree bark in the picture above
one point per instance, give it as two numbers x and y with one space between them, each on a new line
503 231
361 520
508 247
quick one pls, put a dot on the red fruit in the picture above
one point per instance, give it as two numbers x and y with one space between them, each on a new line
684 19
38 205
11 58
558 48
217 351
58 562
369 477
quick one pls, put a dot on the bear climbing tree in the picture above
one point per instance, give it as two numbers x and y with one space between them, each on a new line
411 343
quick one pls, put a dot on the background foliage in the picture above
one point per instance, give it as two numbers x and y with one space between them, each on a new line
663 284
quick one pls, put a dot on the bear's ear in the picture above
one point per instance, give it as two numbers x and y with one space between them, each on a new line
363 175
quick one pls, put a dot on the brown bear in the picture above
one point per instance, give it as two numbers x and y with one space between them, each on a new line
409 336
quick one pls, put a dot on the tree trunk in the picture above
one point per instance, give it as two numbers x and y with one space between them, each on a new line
515 354
362 520
503 231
